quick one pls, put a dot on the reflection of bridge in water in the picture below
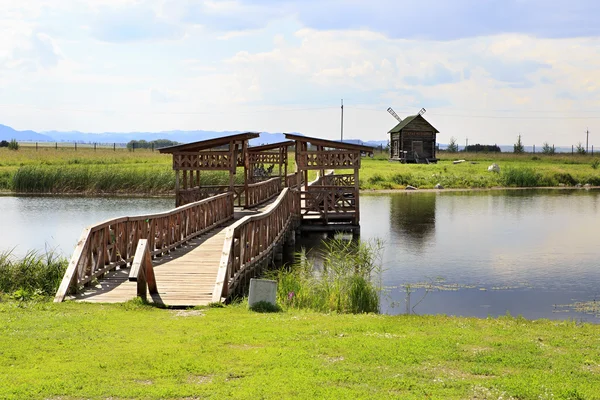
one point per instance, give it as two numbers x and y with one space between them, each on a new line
219 235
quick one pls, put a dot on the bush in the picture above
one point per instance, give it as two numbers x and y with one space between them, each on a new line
3 143
344 285
13 145
547 149
595 164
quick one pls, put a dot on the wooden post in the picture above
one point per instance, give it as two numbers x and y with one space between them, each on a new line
285 154
177 190
246 167
357 194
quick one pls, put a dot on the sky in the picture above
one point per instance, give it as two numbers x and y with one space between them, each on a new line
484 70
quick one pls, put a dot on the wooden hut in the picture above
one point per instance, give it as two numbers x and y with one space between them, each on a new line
331 200
220 154
413 140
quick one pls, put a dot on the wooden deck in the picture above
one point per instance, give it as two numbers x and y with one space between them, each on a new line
185 276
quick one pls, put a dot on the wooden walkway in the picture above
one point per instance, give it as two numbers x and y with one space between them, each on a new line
185 276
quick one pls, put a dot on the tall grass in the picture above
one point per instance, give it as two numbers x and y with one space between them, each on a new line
344 285
34 274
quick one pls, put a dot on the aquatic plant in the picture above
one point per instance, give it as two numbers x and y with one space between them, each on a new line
33 275
346 283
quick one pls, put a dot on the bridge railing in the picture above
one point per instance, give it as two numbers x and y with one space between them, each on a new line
110 244
261 192
252 238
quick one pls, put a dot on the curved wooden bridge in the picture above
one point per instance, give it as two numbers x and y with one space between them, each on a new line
203 251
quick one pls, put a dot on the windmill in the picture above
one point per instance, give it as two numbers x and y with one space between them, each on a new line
393 113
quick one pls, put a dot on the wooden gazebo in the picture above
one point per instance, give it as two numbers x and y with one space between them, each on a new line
332 198
220 154
263 159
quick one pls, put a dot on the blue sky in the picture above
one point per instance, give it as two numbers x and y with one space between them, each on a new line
485 70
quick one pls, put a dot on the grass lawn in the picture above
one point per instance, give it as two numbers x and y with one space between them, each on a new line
84 351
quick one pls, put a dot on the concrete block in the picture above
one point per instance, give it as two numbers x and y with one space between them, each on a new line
262 290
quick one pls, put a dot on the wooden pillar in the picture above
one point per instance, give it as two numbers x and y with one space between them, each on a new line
232 165
321 171
285 158
305 172
356 189
246 167
177 198
297 169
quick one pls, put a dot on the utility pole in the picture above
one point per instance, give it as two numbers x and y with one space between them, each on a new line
342 133
587 139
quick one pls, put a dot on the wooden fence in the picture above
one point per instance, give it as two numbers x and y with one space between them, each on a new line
263 191
113 243
252 239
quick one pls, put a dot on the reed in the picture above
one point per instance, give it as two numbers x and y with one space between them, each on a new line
33 275
345 284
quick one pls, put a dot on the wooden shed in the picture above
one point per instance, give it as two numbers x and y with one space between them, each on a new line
413 140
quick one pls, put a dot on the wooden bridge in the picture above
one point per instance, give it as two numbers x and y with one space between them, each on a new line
206 249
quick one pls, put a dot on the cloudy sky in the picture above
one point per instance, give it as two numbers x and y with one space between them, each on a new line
485 70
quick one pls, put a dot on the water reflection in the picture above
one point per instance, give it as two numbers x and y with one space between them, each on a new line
412 218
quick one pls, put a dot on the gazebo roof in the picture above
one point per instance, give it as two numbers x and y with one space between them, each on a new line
209 143
272 146
329 143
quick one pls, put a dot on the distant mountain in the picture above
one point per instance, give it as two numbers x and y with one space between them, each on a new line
8 133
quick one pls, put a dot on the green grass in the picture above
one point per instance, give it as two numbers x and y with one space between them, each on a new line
84 351
66 170
524 170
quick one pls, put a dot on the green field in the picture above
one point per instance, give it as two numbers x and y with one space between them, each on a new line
83 351
89 171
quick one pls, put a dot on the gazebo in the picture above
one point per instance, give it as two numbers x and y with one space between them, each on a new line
220 154
331 198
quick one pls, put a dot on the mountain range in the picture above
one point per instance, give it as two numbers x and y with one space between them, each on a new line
8 133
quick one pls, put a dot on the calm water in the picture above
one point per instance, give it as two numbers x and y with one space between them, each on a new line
55 223
461 253
526 252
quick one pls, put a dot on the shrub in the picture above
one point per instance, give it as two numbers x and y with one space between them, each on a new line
580 149
452 146
13 145
595 164
3 143
547 149
376 179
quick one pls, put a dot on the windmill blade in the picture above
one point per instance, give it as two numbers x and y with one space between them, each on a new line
393 113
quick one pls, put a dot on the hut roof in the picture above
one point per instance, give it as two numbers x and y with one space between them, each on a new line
406 121
209 143
272 146
329 143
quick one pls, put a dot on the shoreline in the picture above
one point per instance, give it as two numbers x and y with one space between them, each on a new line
362 191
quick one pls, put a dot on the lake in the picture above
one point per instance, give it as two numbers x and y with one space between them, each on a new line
477 253
474 253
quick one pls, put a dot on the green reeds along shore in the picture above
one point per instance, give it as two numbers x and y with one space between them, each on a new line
86 171
346 283
34 275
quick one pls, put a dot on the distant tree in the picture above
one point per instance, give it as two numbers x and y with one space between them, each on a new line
157 144
547 149
580 149
483 148
4 143
13 145
518 148
452 146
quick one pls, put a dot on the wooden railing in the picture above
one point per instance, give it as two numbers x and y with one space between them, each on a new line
253 238
336 180
113 243
142 270
260 192
331 202
291 180
192 195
